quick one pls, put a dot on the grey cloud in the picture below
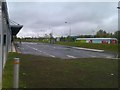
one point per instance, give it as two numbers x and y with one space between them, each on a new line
83 17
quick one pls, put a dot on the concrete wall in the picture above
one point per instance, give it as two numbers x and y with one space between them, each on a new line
6 35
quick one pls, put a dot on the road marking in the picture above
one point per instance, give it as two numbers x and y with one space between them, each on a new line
71 56
31 43
45 52
41 51
108 57
51 56
21 48
93 56
34 48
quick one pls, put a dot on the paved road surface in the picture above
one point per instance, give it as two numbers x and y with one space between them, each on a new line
60 51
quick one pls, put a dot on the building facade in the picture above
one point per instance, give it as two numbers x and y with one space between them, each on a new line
98 40
5 36
7 32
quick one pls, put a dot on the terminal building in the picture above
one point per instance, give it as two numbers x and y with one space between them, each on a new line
7 32
98 40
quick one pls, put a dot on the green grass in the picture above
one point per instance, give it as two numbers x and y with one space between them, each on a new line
33 40
108 47
8 71
46 72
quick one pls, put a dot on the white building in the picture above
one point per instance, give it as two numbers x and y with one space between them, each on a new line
98 40
7 31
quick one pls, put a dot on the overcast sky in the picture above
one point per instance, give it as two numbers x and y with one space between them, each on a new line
40 18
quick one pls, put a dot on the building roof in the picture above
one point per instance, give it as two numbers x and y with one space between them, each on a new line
15 29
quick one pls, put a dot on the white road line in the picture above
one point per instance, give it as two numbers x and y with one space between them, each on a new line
20 48
45 52
31 43
34 48
71 56
38 50
41 51
51 56
93 56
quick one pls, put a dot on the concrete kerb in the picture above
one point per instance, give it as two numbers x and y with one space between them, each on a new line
13 48
80 48
95 50
114 58
101 51
16 48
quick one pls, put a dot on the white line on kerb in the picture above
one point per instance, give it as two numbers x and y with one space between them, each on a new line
71 56
89 49
108 57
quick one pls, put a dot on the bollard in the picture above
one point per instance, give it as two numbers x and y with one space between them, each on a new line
16 73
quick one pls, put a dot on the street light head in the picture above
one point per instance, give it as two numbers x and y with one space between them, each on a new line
118 7
65 22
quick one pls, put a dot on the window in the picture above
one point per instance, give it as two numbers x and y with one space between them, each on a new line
4 40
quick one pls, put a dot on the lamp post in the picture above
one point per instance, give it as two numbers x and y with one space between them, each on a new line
118 16
52 40
93 33
69 29
118 28
118 7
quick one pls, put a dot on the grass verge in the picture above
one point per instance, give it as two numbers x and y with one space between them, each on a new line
8 71
46 72
108 47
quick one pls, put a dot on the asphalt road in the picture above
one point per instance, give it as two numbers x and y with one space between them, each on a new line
60 51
